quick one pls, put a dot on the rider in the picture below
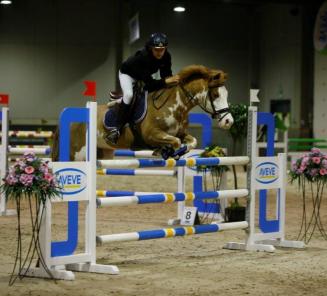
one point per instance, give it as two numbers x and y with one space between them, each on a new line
140 67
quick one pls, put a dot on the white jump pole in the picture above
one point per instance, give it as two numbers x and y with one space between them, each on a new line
30 134
169 232
170 197
3 160
169 163
36 150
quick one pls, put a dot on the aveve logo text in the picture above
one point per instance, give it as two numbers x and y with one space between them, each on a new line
266 172
71 180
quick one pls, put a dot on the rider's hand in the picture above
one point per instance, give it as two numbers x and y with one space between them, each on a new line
172 80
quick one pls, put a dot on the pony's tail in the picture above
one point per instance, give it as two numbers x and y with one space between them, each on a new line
55 145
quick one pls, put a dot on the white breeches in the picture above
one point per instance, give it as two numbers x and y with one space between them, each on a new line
126 84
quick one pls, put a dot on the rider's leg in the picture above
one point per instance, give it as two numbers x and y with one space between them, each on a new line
126 83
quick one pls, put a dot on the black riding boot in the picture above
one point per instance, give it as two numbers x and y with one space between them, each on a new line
112 135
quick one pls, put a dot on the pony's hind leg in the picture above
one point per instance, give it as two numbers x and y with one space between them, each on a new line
105 153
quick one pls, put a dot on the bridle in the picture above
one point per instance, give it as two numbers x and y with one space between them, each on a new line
216 114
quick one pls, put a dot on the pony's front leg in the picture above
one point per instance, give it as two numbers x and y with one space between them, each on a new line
160 138
166 143
189 141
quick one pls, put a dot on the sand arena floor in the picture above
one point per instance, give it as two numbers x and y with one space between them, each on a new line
194 265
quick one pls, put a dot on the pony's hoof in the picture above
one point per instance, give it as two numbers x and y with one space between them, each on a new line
167 152
165 155
180 152
177 157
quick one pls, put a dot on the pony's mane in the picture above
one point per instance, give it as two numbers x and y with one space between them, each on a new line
192 72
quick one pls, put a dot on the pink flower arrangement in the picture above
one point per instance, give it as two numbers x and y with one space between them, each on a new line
312 166
30 175
30 179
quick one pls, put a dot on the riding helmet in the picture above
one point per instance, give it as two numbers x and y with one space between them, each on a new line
157 40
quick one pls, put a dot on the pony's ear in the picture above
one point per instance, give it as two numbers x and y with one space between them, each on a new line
217 78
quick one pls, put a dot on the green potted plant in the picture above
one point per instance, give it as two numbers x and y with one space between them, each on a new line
310 172
29 181
238 132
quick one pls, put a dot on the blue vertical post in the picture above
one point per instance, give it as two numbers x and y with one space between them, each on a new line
265 225
200 204
68 116
205 121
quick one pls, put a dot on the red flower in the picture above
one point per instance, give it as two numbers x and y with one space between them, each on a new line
48 177
316 160
323 172
29 170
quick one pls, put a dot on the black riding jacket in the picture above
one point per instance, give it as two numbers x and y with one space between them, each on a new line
143 64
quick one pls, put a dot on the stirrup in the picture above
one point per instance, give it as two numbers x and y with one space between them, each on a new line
111 136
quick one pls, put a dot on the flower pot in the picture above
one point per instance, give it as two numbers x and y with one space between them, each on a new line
234 214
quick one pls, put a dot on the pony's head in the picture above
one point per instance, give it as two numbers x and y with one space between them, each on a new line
218 99
206 88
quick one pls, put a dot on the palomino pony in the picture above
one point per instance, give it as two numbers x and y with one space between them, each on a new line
165 124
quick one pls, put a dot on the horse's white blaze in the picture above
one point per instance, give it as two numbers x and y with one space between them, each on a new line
223 92
81 154
221 103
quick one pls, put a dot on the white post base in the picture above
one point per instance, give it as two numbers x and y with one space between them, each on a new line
265 245
247 247
39 272
8 213
68 275
217 217
175 221
285 243
96 268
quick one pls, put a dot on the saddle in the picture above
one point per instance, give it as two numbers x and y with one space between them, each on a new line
138 89
137 110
